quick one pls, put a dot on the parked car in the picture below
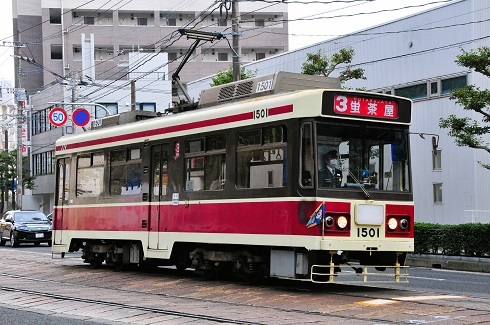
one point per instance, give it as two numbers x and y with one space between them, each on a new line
19 226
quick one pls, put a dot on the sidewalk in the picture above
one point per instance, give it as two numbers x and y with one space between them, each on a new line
460 263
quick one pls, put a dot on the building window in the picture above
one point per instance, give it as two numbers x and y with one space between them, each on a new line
259 23
223 57
451 84
437 187
259 56
149 107
172 56
222 22
412 92
142 21
171 22
55 16
436 159
56 52
89 20
43 163
434 88
100 112
40 122
104 53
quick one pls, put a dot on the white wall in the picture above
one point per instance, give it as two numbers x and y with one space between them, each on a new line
417 49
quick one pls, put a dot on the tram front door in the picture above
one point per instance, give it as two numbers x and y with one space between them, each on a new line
62 196
158 192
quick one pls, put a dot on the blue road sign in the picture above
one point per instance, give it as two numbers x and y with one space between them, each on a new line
80 116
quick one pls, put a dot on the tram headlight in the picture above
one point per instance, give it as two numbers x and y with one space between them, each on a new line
329 221
404 224
392 223
342 222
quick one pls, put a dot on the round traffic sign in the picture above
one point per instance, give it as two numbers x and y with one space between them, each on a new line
57 116
80 116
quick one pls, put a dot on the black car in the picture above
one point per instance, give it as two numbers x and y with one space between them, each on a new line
20 226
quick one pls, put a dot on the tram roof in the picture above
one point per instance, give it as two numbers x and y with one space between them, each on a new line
219 117
264 99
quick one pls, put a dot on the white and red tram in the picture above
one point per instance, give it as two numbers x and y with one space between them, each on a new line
235 186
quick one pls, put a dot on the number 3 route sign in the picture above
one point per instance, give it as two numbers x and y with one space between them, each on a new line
80 117
57 116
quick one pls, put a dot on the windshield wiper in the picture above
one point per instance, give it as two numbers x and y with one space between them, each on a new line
367 196
366 193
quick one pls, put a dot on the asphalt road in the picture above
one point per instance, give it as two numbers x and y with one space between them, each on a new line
21 316
421 279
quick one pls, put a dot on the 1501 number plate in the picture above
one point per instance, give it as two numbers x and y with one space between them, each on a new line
368 232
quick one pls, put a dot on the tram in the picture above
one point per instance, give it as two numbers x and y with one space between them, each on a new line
240 184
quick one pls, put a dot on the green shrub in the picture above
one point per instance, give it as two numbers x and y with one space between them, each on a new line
471 239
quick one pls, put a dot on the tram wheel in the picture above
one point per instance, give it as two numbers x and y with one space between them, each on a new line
208 275
96 262
120 266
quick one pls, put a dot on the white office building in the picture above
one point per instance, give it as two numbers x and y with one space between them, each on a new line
415 57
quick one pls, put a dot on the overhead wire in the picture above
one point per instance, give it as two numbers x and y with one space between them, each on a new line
354 1
151 55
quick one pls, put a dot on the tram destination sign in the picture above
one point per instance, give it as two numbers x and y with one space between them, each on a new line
367 106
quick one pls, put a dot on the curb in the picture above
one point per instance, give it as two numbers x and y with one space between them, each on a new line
459 263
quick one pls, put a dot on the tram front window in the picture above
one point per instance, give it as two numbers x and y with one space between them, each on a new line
355 155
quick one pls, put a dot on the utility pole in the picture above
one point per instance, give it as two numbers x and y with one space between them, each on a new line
20 120
237 52
21 97
133 95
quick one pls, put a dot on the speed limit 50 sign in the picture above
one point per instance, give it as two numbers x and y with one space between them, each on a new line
57 116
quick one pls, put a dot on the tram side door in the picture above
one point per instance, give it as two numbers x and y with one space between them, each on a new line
62 197
158 192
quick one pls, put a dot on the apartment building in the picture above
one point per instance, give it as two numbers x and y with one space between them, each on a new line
52 32
83 50
8 117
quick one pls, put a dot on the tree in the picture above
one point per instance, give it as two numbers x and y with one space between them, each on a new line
468 132
224 77
319 65
8 173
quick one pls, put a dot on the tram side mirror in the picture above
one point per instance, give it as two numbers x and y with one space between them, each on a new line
306 178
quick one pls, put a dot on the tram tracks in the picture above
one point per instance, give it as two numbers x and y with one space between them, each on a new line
98 303
296 314
217 301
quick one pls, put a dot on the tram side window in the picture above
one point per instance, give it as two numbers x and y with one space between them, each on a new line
63 180
205 163
261 158
90 174
307 162
126 172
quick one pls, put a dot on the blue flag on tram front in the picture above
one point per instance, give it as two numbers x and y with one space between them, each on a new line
317 216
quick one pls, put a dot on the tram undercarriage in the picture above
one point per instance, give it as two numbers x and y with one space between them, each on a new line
253 264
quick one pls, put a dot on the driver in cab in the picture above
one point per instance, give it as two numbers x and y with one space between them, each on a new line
330 176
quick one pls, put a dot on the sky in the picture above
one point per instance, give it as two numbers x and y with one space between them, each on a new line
348 16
